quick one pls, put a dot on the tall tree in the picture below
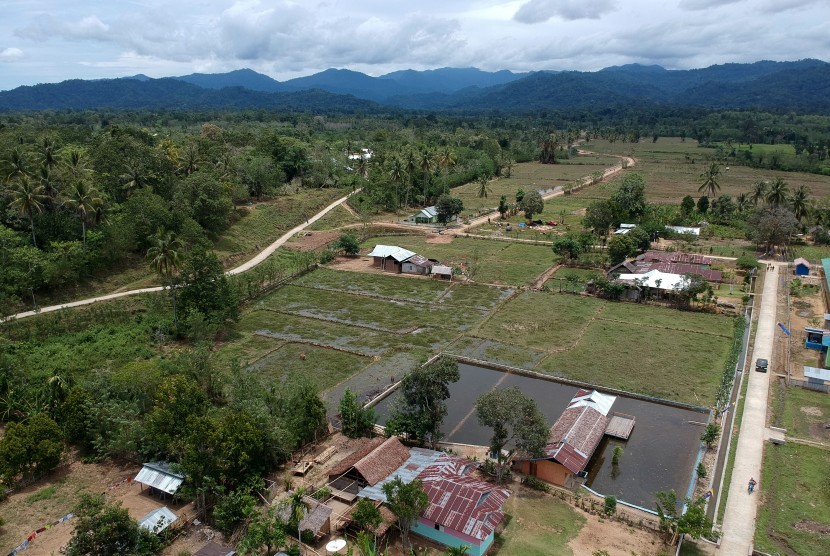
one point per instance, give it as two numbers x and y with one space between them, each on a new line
425 162
165 255
759 191
423 402
483 186
709 180
446 160
772 226
397 173
84 200
410 165
27 198
406 501
17 165
513 417
103 529
778 193
297 508
800 202
356 420
532 203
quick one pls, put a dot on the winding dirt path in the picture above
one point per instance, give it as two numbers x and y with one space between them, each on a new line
258 259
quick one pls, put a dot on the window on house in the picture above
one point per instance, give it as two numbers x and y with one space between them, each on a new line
438 527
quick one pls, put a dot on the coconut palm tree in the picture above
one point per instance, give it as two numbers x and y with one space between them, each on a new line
164 256
83 199
778 193
189 158
27 198
410 164
397 175
759 191
49 186
17 165
426 163
742 201
48 158
709 177
446 159
75 164
297 508
800 202
133 178
483 186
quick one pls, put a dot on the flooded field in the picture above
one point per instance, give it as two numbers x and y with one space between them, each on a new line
660 454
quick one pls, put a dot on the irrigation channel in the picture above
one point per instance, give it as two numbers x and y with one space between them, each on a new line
660 454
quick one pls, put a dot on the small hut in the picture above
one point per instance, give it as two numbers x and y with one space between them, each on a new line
802 266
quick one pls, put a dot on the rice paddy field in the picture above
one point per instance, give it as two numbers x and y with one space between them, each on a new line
361 328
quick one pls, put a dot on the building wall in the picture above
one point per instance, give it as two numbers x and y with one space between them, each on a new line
545 470
410 268
802 270
448 537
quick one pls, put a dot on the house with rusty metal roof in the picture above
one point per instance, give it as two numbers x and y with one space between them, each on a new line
462 510
572 440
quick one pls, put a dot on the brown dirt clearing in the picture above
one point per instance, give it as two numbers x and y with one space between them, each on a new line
616 538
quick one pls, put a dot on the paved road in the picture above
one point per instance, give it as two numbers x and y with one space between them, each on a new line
741 508
259 258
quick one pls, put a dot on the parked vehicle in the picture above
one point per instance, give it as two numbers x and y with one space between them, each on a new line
761 365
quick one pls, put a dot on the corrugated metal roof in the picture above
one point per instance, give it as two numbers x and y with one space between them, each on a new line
802 260
684 230
442 270
214 549
668 282
459 502
420 260
428 212
398 253
158 475
158 520
419 459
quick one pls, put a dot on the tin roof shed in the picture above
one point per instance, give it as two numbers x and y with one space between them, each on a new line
158 520
158 475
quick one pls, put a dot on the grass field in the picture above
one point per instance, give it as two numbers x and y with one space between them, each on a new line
805 414
669 176
335 219
539 526
658 351
497 262
324 367
265 222
532 176
795 515
813 253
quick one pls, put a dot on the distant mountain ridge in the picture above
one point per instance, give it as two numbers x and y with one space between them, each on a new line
802 85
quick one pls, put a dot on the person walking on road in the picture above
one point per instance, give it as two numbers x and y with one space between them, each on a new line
752 483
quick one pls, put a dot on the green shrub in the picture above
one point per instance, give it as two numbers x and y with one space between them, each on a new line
536 484
610 507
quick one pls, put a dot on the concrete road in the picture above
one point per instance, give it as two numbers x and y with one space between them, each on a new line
738 529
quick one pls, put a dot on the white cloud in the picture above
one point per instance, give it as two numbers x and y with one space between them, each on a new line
694 5
10 54
538 11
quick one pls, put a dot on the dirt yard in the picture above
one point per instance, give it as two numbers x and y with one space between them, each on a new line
48 500
615 538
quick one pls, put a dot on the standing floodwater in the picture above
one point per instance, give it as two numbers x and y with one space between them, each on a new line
660 454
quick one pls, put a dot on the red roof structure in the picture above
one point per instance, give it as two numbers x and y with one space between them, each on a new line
578 431
460 502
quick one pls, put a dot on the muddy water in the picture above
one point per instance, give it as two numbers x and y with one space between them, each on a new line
660 454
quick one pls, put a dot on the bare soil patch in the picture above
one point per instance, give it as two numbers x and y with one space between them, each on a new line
311 241
616 538
812 411
812 527
439 238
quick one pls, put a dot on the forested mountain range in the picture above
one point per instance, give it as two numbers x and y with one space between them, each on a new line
802 86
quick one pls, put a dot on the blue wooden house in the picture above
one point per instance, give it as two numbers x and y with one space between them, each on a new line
802 266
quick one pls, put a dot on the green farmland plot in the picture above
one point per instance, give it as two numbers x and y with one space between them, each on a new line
386 316
674 365
541 320
324 367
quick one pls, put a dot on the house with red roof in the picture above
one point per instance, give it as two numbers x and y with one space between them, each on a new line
572 440
462 510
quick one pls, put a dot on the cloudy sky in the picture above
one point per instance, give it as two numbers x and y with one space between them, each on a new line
52 40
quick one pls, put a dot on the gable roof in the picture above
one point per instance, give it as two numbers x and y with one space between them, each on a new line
578 431
381 462
627 265
374 461
802 260
315 516
420 260
428 212
361 452
673 257
157 474
668 282
419 459
214 549
398 253
680 268
460 502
